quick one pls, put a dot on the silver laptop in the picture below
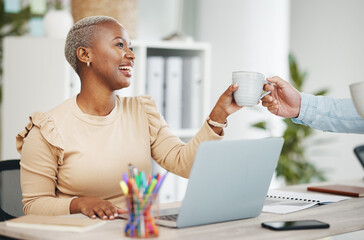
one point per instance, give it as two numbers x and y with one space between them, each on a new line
229 180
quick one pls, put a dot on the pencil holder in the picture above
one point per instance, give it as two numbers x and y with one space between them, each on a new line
140 197
141 221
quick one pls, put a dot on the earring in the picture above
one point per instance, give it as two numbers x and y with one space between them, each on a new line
88 64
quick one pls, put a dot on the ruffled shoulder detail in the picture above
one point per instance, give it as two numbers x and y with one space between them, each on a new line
49 132
155 119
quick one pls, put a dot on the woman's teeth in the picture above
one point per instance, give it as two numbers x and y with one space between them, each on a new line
126 68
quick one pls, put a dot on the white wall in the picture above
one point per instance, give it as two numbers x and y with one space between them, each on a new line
245 35
157 19
327 38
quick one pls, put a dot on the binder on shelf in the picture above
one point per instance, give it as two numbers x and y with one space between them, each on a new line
192 92
173 92
155 80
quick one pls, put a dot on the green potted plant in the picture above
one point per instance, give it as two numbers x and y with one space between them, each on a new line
293 165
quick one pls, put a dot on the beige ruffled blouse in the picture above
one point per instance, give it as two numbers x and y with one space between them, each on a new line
66 153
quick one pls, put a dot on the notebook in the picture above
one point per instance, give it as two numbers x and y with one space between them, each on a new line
353 191
57 223
283 202
229 180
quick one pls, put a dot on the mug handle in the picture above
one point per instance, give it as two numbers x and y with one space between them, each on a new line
266 93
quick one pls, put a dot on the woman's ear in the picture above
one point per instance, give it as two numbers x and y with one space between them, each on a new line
83 54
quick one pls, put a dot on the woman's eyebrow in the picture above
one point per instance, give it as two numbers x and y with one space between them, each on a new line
119 38
123 39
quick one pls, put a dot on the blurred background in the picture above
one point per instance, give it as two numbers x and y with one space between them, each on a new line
325 39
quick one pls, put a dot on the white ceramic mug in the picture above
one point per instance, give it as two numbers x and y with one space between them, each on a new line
250 89
357 94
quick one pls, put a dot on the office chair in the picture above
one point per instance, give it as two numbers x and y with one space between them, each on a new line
10 191
359 152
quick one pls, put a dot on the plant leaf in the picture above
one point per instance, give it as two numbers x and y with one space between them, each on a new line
261 125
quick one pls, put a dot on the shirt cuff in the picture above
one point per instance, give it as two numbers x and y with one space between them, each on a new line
308 109
207 133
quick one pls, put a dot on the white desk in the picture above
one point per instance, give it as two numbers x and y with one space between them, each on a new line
345 216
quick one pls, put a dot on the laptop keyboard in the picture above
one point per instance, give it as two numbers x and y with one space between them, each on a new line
172 217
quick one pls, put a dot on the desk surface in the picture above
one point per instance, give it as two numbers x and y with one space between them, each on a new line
344 216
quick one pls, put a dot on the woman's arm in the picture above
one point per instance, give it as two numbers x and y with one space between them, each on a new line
174 155
39 175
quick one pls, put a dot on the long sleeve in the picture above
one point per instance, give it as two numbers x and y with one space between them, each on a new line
39 164
166 148
329 114
66 153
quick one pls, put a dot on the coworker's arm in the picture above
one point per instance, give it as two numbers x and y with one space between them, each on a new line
329 114
323 113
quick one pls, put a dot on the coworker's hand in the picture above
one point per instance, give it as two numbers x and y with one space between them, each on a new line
284 100
93 207
225 106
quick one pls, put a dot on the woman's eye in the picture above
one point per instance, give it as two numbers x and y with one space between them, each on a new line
120 45
131 49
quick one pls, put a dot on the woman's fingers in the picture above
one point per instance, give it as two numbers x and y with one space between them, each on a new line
115 211
234 87
104 213
94 207
122 211
109 214
231 89
90 213
100 213
107 211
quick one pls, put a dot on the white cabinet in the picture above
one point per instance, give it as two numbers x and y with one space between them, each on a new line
144 50
38 78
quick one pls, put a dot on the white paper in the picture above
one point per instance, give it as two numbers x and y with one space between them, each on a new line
283 202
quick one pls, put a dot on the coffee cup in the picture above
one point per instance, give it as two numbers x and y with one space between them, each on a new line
357 94
250 89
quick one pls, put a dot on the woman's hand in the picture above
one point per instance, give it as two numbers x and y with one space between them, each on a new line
225 106
93 207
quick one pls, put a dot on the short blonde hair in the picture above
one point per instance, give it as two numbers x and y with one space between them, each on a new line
82 34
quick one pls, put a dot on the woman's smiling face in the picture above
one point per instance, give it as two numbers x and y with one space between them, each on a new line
112 59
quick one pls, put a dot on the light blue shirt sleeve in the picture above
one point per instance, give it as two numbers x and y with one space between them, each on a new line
329 114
